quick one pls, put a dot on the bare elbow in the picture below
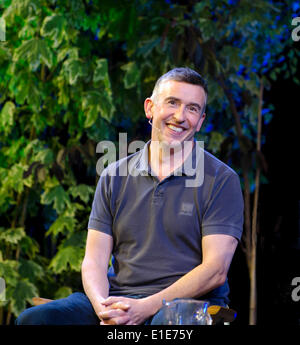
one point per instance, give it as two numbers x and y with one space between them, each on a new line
220 277
84 263
86 266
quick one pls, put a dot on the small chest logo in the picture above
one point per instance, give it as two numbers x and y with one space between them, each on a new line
186 209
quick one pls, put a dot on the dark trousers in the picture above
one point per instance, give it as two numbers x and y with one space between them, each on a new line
75 309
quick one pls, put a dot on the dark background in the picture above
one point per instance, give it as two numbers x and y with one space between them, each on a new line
278 253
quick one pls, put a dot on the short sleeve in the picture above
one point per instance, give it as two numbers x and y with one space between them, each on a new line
101 217
224 213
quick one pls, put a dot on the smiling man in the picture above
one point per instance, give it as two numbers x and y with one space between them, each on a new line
167 240
177 111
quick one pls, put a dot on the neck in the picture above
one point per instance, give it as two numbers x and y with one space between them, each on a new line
164 158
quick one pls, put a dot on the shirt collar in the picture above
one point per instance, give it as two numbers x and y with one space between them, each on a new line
188 168
142 164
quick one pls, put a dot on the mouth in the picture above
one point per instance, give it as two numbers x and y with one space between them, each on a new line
175 128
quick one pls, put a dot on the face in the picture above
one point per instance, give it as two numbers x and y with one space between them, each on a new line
177 112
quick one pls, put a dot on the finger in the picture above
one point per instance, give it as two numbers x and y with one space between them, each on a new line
109 314
110 300
119 305
130 322
123 320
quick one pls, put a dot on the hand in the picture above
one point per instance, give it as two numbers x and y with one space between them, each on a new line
125 311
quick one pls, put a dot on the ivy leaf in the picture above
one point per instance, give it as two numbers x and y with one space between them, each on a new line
76 239
57 196
74 69
82 191
132 75
30 270
24 87
67 258
5 53
61 224
22 9
35 52
101 72
12 236
14 178
94 102
106 106
147 48
23 292
7 116
63 92
54 27
69 51
9 270
29 246
44 156
63 292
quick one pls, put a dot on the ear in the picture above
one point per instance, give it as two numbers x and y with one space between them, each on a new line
199 125
148 104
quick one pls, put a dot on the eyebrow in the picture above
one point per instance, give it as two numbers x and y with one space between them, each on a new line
179 100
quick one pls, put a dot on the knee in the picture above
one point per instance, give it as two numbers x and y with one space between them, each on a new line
39 315
30 316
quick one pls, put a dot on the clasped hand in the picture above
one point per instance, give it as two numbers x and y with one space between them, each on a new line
124 311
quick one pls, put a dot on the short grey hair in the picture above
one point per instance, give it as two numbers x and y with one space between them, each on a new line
181 74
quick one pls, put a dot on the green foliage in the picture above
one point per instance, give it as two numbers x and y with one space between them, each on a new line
75 73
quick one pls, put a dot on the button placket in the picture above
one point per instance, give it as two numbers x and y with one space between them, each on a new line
158 193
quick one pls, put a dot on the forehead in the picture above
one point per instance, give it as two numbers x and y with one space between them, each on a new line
188 93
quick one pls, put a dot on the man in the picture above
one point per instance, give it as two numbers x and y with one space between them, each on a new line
169 238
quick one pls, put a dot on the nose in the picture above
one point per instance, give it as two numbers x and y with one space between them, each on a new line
180 113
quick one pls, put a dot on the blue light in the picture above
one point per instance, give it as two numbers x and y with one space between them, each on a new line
265 111
282 58
209 128
96 38
241 69
266 58
295 6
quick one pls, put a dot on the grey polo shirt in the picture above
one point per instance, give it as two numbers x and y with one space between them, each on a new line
156 226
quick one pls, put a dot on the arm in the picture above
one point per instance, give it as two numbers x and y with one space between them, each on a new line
94 267
217 252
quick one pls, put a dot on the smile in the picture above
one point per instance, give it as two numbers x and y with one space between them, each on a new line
175 128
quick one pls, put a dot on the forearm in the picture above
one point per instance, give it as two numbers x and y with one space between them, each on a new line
95 283
195 283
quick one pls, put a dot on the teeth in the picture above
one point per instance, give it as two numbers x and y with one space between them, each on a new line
176 129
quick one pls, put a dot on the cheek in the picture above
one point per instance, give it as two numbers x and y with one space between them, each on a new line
199 125
160 116
195 124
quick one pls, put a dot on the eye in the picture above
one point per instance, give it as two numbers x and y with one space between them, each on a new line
193 109
172 102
